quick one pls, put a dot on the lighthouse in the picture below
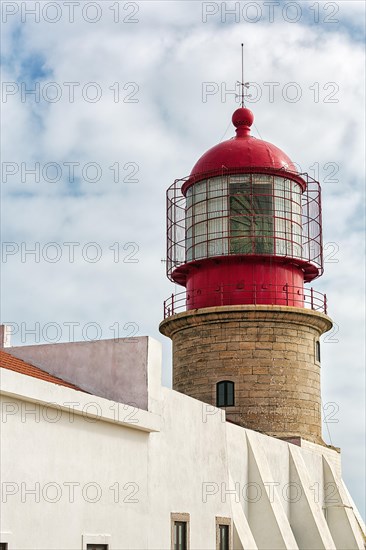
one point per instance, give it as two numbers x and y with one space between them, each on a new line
244 239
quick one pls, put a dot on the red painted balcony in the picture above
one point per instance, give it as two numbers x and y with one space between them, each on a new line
243 294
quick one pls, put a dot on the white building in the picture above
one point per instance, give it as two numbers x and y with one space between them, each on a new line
96 454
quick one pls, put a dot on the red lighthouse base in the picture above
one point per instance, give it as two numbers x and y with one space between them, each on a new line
242 280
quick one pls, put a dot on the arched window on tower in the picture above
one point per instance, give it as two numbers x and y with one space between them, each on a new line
225 394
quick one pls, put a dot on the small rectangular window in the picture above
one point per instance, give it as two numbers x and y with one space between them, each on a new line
225 394
223 534
317 351
180 531
97 546
3 546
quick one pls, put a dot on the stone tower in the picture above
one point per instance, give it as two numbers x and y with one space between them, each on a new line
244 238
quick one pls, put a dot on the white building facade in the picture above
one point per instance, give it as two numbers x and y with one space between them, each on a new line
124 463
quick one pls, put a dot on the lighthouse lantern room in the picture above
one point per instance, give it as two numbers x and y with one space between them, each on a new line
244 227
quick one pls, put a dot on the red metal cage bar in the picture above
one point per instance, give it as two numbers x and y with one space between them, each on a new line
306 246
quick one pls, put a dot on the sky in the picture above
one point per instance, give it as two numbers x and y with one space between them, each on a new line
105 104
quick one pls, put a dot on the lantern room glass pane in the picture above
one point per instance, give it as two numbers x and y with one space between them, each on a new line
200 211
217 187
217 245
251 216
206 219
237 183
288 229
189 198
199 191
215 207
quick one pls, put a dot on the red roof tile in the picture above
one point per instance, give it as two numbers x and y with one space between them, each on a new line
8 361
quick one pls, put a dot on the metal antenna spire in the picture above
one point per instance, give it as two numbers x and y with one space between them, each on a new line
242 75
242 83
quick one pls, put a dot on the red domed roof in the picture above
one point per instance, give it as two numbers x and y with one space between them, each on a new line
243 151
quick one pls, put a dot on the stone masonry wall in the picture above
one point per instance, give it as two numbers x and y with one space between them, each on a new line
267 351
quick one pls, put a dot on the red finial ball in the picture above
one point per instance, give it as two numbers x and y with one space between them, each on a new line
242 117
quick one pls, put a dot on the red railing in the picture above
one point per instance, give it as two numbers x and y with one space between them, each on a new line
256 295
